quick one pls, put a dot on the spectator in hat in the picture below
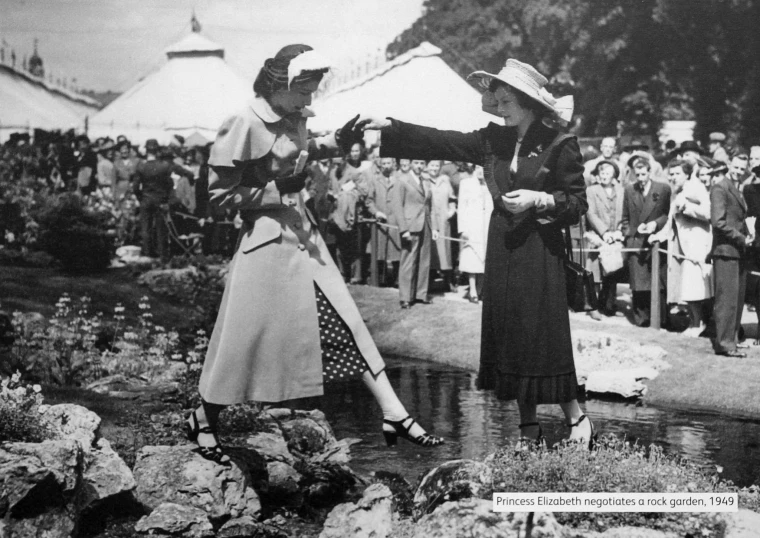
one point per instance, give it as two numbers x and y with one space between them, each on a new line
606 153
605 218
717 149
638 148
689 239
704 170
730 240
153 185
645 212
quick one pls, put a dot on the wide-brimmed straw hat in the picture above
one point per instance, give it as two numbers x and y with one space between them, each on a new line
525 78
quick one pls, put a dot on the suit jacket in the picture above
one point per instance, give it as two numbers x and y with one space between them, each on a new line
728 212
638 209
412 203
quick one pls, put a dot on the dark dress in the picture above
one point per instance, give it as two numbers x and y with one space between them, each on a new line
752 197
526 350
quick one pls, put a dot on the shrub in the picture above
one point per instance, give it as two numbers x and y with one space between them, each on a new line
615 466
19 412
80 237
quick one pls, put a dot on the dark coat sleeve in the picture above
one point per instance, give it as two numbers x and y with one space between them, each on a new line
568 186
408 141
719 218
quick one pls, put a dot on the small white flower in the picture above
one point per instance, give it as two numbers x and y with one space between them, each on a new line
36 388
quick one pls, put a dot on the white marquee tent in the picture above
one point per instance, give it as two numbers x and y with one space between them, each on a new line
190 95
418 87
28 102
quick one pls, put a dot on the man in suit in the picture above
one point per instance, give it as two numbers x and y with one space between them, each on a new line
379 204
645 211
728 211
412 205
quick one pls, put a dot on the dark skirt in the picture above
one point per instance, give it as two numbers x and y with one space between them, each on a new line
341 358
526 349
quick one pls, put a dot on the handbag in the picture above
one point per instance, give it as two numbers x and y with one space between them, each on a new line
581 291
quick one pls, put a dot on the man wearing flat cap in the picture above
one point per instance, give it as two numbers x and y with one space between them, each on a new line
717 149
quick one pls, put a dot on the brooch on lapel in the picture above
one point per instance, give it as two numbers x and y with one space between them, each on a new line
655 196
536 152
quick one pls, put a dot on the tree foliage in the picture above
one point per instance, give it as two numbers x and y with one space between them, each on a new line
629 64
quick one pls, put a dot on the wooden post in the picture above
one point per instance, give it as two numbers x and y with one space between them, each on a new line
374 279
654 309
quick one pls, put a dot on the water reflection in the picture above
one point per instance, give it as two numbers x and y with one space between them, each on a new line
474 423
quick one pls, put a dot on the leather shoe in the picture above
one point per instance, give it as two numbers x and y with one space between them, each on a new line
404 305
596 316
425 301
733 353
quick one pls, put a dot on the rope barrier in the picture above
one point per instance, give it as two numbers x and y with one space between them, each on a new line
386 225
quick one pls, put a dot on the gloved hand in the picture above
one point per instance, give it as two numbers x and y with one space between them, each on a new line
351 133
520 200
291 184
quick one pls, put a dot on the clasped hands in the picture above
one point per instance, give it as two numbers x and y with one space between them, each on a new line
521 200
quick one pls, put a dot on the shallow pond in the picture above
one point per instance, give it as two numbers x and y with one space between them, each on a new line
445 401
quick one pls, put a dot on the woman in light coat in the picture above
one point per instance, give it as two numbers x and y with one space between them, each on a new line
473 216
287 323
605 217
689 236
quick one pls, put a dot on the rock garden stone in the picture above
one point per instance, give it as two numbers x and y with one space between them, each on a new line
454 480
284 482
56 523
177 474
62 457
170 519
475 518
370 517
272 446
246 527
742 524
105 475
306 436
71 421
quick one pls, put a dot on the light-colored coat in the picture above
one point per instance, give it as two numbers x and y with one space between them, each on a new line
604 215
266 345
473 217
380 198
444 207
689 235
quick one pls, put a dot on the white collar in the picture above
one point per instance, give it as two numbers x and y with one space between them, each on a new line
264 110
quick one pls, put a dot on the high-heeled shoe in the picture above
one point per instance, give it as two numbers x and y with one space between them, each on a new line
212 453
540 440
399 430
594 435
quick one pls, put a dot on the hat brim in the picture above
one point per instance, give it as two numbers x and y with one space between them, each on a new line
481 80
611 163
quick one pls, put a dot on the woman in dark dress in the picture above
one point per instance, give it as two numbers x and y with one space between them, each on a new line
536 179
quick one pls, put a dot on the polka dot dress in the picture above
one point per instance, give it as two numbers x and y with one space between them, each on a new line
341 358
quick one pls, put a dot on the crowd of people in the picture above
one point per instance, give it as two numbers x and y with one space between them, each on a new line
158 194
432 217
700 207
